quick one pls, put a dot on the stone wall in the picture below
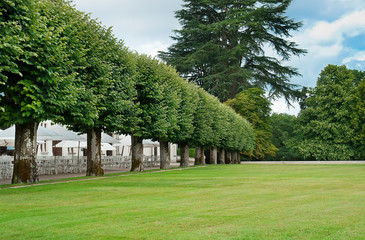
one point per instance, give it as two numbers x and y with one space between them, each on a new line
58 165
6 167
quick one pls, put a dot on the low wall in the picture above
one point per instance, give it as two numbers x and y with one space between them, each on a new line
58 165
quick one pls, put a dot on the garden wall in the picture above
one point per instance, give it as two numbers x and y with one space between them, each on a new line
57 165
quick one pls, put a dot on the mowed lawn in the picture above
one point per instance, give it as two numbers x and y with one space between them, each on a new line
212 202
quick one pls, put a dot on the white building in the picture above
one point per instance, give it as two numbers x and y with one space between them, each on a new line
150 148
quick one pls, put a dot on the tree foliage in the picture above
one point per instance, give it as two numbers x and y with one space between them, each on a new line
59 64
36 75
150 98
283 127
325 131
104 82
186 111
252 105
358 120
204 134
35 64
221 46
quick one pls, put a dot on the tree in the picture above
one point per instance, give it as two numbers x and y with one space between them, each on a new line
36 75
185 113
237 134
252 105
187 108
107 77
204 135
283 127
358 120
153 112
325 131
110 77
221 46
172 95
217 126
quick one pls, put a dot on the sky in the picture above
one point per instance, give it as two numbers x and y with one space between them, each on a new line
333 32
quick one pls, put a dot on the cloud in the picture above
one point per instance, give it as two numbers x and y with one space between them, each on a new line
326 51
359 56
329 34
327 43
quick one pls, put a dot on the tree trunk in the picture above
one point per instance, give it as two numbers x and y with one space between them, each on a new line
184 155
137 154
233 91
25 166
238 157
199 156
164 155
221 156
233 157
228 157
213 155
94 153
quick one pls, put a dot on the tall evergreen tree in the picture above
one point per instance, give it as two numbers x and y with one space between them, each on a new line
221 46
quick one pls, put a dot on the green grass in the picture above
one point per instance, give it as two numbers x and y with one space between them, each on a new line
215 202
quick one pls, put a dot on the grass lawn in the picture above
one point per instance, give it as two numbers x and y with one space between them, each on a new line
213 202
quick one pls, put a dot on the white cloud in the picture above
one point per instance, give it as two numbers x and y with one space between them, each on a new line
326 51
325 42
325 39
359 56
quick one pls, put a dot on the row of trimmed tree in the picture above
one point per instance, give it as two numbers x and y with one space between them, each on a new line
59 64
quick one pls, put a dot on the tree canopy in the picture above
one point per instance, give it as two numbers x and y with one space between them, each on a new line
221 46
35 65
36 75
252 105
283 128
358 120
60 64
325 131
